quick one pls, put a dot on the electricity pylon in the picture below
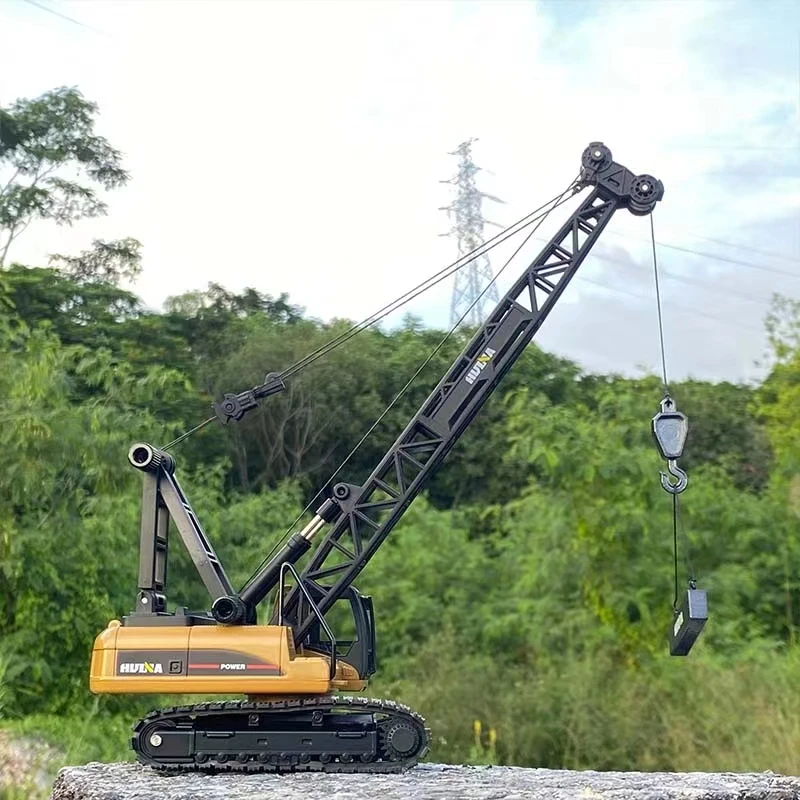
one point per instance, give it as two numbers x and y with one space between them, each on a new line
471 297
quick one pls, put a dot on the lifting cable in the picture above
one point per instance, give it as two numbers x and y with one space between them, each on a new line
670 428
540 219
537 216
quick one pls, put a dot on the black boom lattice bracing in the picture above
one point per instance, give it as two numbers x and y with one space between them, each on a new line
369 512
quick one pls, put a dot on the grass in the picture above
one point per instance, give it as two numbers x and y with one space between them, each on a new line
74 740
674 715
94 737
703 714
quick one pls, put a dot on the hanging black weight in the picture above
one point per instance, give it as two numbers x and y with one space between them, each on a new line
688 621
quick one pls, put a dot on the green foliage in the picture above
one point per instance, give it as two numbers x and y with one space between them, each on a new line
778 398
702 713
724 431
530 589
75 739
310 429
92 736
783 327
50 150
12 668
106 262
63 560
79 313
10 134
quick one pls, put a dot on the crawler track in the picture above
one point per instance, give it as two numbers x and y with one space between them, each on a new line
326 734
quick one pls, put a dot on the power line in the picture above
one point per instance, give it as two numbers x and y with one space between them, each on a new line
735 148
74 21
748 248
714 256
729 260
683 279
677 307
672 276
638 296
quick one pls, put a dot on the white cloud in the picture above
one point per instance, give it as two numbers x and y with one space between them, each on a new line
297 146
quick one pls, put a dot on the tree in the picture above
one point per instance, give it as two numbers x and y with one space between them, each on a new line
9 132
722 431
107 261
88 314
783 328
68 505
778 398
50 156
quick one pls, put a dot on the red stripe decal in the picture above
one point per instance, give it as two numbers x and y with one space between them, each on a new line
261 666
203 666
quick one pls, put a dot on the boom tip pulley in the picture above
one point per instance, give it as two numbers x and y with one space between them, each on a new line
641 192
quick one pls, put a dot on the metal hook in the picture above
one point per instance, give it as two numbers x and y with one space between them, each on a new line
677 472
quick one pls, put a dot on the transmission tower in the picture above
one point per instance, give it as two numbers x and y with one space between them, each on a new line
467 211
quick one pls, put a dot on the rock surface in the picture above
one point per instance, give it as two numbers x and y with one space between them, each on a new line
425 782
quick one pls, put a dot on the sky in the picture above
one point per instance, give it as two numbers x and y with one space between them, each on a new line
300 146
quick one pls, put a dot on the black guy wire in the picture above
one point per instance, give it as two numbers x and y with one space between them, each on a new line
429 283
687 547
556 202
687 557
188 433
367 322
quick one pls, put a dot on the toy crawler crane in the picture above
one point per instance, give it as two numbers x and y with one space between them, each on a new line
293 668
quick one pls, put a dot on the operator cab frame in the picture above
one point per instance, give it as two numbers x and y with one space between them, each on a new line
359 652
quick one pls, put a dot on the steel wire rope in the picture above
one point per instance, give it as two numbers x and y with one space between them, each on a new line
429 283
658 306
675 506
666 394
559 200
534 216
